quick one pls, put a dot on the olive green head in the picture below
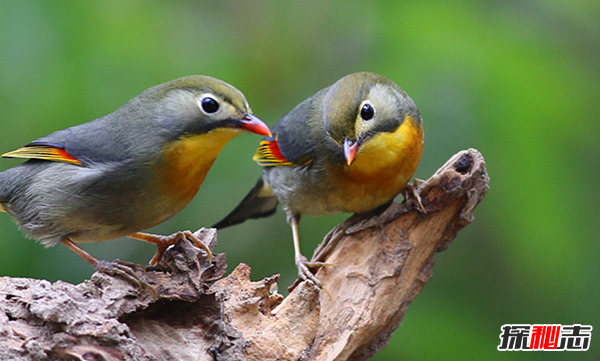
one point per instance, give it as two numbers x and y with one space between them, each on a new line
195 105
362 105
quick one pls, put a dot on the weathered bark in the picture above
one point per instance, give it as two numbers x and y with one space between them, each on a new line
379 263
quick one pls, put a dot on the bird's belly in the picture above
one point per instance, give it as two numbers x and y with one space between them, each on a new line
348 196
171 185
365 197
332 192
89 233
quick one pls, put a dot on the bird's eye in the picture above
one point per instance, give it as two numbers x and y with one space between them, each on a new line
209 105
367 112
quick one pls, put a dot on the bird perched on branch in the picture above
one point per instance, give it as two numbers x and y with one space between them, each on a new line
351 147
127 171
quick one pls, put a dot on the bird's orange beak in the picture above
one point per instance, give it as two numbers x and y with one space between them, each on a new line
350 150
254 125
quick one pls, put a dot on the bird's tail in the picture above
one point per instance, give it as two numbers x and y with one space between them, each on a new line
260 202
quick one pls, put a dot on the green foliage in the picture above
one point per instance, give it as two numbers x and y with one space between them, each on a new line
517 80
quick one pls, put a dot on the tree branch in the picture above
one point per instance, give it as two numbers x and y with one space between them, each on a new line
379 263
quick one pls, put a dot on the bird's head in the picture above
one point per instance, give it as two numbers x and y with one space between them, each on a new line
200 104
363 114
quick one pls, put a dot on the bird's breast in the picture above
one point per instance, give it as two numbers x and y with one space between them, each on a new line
186 162
380 171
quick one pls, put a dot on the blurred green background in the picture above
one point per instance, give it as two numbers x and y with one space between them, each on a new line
518 80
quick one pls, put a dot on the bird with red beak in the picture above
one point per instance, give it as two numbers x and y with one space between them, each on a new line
127 171
351 147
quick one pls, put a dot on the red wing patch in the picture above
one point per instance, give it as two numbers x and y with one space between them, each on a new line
268 154
43 152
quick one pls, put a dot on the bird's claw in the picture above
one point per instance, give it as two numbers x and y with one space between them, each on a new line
126 271
412 189
196 242
164 242
316 265
305 273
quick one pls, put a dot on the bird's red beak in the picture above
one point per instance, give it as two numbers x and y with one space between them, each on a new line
254 125
350 150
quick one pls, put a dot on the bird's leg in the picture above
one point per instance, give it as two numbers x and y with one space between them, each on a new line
301 262
411 188
117 268
163 242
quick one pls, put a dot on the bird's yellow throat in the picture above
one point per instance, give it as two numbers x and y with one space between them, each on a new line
187 161
387 155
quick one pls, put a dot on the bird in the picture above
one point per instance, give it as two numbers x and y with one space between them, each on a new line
351 147
125 172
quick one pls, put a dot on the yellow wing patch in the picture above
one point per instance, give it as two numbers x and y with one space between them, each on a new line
43 152
269 155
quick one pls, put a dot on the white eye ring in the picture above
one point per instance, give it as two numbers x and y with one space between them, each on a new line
209 104
367 111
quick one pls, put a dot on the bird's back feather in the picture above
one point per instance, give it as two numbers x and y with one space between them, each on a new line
294 134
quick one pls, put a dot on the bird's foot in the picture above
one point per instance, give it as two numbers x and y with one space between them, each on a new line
164 242
198 243
126 271
412 196
305 273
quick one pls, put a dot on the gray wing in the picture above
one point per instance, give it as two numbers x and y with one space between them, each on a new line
91 142
297 131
